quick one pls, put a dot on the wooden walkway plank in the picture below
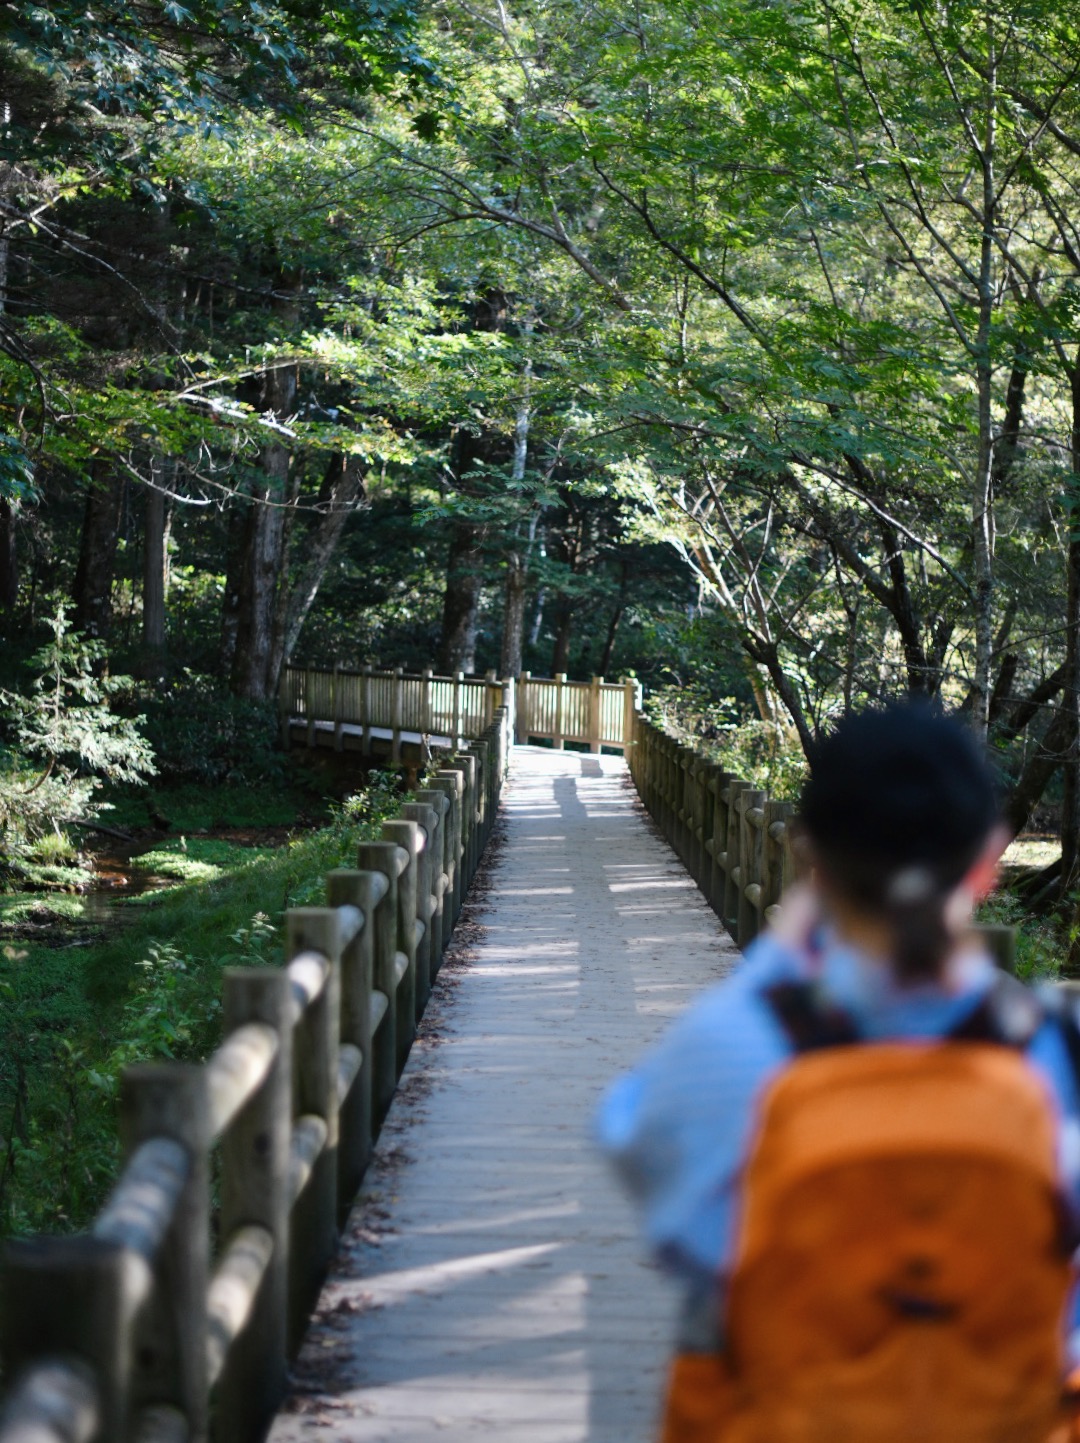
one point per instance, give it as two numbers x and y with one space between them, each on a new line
491 1283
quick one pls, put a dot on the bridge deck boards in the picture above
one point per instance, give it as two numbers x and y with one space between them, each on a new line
490 1282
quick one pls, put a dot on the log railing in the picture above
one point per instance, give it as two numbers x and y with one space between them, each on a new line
144 1330
733 840
350 708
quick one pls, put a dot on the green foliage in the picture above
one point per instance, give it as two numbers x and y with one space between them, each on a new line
766 754
203 734
72 1017
66 723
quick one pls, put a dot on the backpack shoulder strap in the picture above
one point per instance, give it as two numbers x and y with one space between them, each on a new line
1008 1013
807 1018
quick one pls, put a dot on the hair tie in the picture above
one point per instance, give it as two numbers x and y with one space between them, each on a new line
910 887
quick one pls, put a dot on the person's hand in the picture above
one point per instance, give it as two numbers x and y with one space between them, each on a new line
800 913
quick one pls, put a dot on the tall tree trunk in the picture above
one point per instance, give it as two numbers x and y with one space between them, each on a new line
564 625
1070 698
235 540
510 658
461 601
982 482
342 487
153 609
264 536
92 592
9 563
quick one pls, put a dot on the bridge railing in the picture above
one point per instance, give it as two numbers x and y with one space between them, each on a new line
144 1329
732 838
445 710
734 841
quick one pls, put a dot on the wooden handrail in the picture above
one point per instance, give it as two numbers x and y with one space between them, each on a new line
293 1096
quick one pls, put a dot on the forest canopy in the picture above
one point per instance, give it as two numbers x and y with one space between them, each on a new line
736 344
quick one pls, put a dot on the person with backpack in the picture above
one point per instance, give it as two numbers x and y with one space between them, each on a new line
860 1152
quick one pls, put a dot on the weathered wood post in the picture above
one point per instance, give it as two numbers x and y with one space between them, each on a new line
455 776
778 817
381 859
595 727
457 735
338 708
169 1100
631 706
560 716
397 699
255 1156
285 706
717 802
68 1298
427 819
348 888
732 829
408 838
312 933
436 797
427 713
365 712
750 800
999 939
467 762
309 705
523 715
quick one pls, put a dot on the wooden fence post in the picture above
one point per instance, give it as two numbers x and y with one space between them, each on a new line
560 683
732 831
454 775
169 1099
313 1225
365 708
749 852
524 702
631 705
596 732
427 714
406 836
348 888
427 819
457 736
381 858
396 703
255 1153
309 705
69 1297
436 798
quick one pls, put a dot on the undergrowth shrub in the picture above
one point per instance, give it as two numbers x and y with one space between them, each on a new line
768 755
72 1019
201 733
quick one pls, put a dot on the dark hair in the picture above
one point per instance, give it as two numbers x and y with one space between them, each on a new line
898 805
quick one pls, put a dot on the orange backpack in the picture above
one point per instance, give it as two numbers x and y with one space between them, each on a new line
902 1266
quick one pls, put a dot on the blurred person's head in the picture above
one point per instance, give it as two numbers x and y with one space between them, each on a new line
901 822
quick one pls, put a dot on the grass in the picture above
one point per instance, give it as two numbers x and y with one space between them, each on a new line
89 997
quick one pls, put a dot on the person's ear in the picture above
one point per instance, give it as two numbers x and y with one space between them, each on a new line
982 874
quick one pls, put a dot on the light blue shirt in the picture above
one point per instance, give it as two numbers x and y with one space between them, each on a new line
679 1127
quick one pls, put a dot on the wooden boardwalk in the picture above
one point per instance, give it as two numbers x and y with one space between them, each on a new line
490 1282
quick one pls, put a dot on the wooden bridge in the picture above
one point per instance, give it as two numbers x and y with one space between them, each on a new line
487 1281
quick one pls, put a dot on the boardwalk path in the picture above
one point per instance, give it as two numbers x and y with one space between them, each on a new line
491 1285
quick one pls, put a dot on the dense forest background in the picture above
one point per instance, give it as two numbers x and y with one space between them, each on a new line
735 344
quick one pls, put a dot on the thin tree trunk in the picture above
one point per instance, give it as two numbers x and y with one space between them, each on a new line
510 658
461 602
1070 698
341 489
153 610
261 568
9 562
564 624
230 602
97 554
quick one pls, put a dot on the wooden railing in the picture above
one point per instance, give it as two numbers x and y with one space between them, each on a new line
352 707
143 1329
595 713
732 839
